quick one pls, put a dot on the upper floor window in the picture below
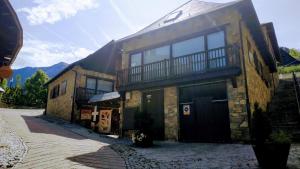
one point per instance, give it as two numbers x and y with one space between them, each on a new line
54 92
99 85
216 50
136 59
63 87
250 54
216 40
157 54
103 85
91 83
256 62
189 46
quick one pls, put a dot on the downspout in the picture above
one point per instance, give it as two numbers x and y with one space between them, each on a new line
74 96
245 79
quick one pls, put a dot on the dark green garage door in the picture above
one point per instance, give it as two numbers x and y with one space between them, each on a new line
204 114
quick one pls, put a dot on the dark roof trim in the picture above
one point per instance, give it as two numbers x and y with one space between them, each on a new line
249 16
273 38
20 31
82 62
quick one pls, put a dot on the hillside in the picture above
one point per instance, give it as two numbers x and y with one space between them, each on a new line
27 72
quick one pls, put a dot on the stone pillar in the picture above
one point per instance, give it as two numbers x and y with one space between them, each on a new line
171 113
238 111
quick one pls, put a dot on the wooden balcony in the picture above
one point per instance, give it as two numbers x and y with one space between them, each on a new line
215 63
83 95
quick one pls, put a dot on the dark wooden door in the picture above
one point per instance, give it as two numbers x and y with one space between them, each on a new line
153 104
208 120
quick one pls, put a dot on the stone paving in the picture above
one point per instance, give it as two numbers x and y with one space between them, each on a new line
55 143
12 147
52 146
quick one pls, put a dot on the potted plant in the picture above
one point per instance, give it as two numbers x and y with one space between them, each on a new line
142 137
271 149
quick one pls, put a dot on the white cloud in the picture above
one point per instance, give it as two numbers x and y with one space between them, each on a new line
36 53
51 11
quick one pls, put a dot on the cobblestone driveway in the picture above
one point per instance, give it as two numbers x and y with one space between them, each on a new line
52 146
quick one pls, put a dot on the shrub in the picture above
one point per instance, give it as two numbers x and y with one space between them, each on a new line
261 128
288 69
280 137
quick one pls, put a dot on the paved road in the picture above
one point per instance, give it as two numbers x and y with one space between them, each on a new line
51 146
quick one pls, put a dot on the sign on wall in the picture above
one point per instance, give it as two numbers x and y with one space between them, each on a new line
105 121
85 114
186 110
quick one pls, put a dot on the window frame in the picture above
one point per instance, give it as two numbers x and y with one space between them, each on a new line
55 91
63 89
99 78
180 39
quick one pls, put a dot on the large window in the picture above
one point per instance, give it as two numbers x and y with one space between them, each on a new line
157 54
192 47
190 55
216 50
103 85
97 86
189 46
136 59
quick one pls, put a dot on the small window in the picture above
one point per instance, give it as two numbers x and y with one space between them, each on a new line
173 16
63 87
250 54
91 83
55 92
256 62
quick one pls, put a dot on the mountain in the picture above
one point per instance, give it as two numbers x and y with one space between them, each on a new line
27 72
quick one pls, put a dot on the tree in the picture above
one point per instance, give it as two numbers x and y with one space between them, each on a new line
295 53
3 84
35 91
19 81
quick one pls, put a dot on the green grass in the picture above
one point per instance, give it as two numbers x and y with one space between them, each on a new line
288 69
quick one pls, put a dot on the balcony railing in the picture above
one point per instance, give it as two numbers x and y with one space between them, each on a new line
84 94
196 63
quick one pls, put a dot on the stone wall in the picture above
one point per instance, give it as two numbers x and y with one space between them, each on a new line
61 106
258 91
238 110
171 113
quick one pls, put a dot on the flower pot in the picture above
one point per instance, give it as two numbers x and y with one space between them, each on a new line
272 155
142 139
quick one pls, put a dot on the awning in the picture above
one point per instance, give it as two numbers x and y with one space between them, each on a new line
104 97
2 90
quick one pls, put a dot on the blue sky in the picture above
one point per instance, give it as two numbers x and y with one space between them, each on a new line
68 30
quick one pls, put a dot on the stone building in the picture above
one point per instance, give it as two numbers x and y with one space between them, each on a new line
198 71
69 92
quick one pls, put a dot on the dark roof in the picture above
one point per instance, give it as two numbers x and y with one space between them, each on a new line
273 38
287 59
11 33
103 60
186 11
